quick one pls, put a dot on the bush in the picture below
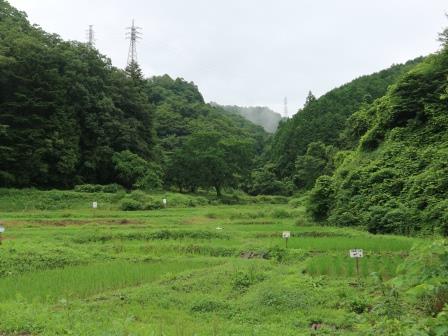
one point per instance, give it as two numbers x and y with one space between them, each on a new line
208 305
112 188
129 204
281 213
94 188
392 218
321 198
89 188
359 306
152 204
263 181
437 217
279 254
297 202
423 276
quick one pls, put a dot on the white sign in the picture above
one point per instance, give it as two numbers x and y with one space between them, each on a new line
95 205
356 253
2 229
164 201
286 234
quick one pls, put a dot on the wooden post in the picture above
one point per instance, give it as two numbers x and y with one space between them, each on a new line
357 268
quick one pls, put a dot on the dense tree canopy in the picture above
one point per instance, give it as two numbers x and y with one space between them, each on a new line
210 160
65 109
67 116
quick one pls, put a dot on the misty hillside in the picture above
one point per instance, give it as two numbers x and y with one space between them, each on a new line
259 115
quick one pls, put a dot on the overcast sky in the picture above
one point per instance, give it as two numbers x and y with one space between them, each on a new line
253 52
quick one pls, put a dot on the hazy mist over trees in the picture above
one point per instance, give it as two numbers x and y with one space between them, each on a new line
262 116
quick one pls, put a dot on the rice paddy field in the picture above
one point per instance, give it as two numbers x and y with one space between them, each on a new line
188 269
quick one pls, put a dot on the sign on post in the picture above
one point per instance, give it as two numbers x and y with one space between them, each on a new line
94 205
164 202
286 235
357 254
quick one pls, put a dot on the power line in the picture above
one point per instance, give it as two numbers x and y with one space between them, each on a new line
133 34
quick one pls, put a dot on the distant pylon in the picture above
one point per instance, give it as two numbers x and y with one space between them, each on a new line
285 107
91 36
133 34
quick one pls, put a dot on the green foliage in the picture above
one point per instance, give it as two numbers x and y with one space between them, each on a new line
324 119
207 160
321 198
134 171
65 108
396 181
424 277
129 204
94 188
317 161
263 181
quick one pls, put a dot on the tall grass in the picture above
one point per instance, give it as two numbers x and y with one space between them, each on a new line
344 266
369 243
84 281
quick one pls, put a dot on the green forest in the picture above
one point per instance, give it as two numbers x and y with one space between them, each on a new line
366 160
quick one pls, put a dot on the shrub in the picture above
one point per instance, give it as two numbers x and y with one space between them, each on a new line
89 188
112 188
152 204
359 305
321 198
281 213
437 217
391 218
241 281
94 188
372 139
423 276
208 305
297 202
129 204
279 254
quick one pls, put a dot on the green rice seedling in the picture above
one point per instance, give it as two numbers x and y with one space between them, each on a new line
84 281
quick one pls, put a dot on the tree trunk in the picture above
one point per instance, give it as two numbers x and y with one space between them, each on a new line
218 190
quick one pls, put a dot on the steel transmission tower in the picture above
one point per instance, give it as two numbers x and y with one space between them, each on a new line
285 107
133 34
90 36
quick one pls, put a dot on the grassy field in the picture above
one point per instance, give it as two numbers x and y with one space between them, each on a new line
198 270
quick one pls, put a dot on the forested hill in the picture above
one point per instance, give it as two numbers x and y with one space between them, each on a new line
68 117
180 111
259 115
396 177
323 119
